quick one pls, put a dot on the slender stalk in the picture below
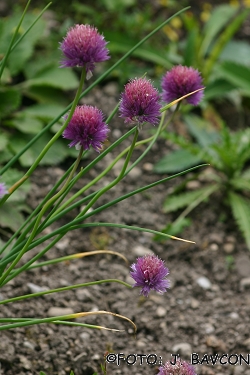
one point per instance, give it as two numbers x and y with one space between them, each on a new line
63 289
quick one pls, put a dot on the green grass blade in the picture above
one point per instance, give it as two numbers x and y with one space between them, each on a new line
241 212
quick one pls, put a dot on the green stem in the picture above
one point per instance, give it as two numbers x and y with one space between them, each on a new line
63 289
115 181
39 218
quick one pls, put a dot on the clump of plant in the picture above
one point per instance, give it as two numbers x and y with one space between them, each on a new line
227 152
83 127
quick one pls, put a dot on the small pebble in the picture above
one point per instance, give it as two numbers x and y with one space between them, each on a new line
183 348
234 315
140 251
245 283
161 311
203 282
36 288
229 247
148 167
58 311
84 336
194 303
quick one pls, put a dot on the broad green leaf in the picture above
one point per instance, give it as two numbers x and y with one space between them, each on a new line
10 178
218 89
218 20
4 139
45 94
25 49
237 52
10 100
202 130
56 154
241 212
26 124
175 202
64 79
43 111
241 183
177 161
11 217
236 74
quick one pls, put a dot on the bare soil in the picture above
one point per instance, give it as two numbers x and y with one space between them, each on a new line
192 317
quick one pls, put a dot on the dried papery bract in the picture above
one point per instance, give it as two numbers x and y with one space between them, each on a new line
180 81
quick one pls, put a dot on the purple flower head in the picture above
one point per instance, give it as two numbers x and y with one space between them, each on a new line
180 81
180 368
149 273
86 128
3 189
140 102
84 46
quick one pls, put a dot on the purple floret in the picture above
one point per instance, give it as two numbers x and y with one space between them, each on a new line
83 46
180 368
3 189
180 81
149 273
140 102
87 128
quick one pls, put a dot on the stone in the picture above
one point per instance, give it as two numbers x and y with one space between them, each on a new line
58 311
140 251
204 283
194 303
36 288
245 283
183 348
161 311
229 247
242 264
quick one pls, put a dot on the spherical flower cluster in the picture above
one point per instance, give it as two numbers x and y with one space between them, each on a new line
180 81
86 128
149 273
3 189
140 102
179 368
83 46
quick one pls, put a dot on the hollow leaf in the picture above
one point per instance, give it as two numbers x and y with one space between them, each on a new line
241 212
173 228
